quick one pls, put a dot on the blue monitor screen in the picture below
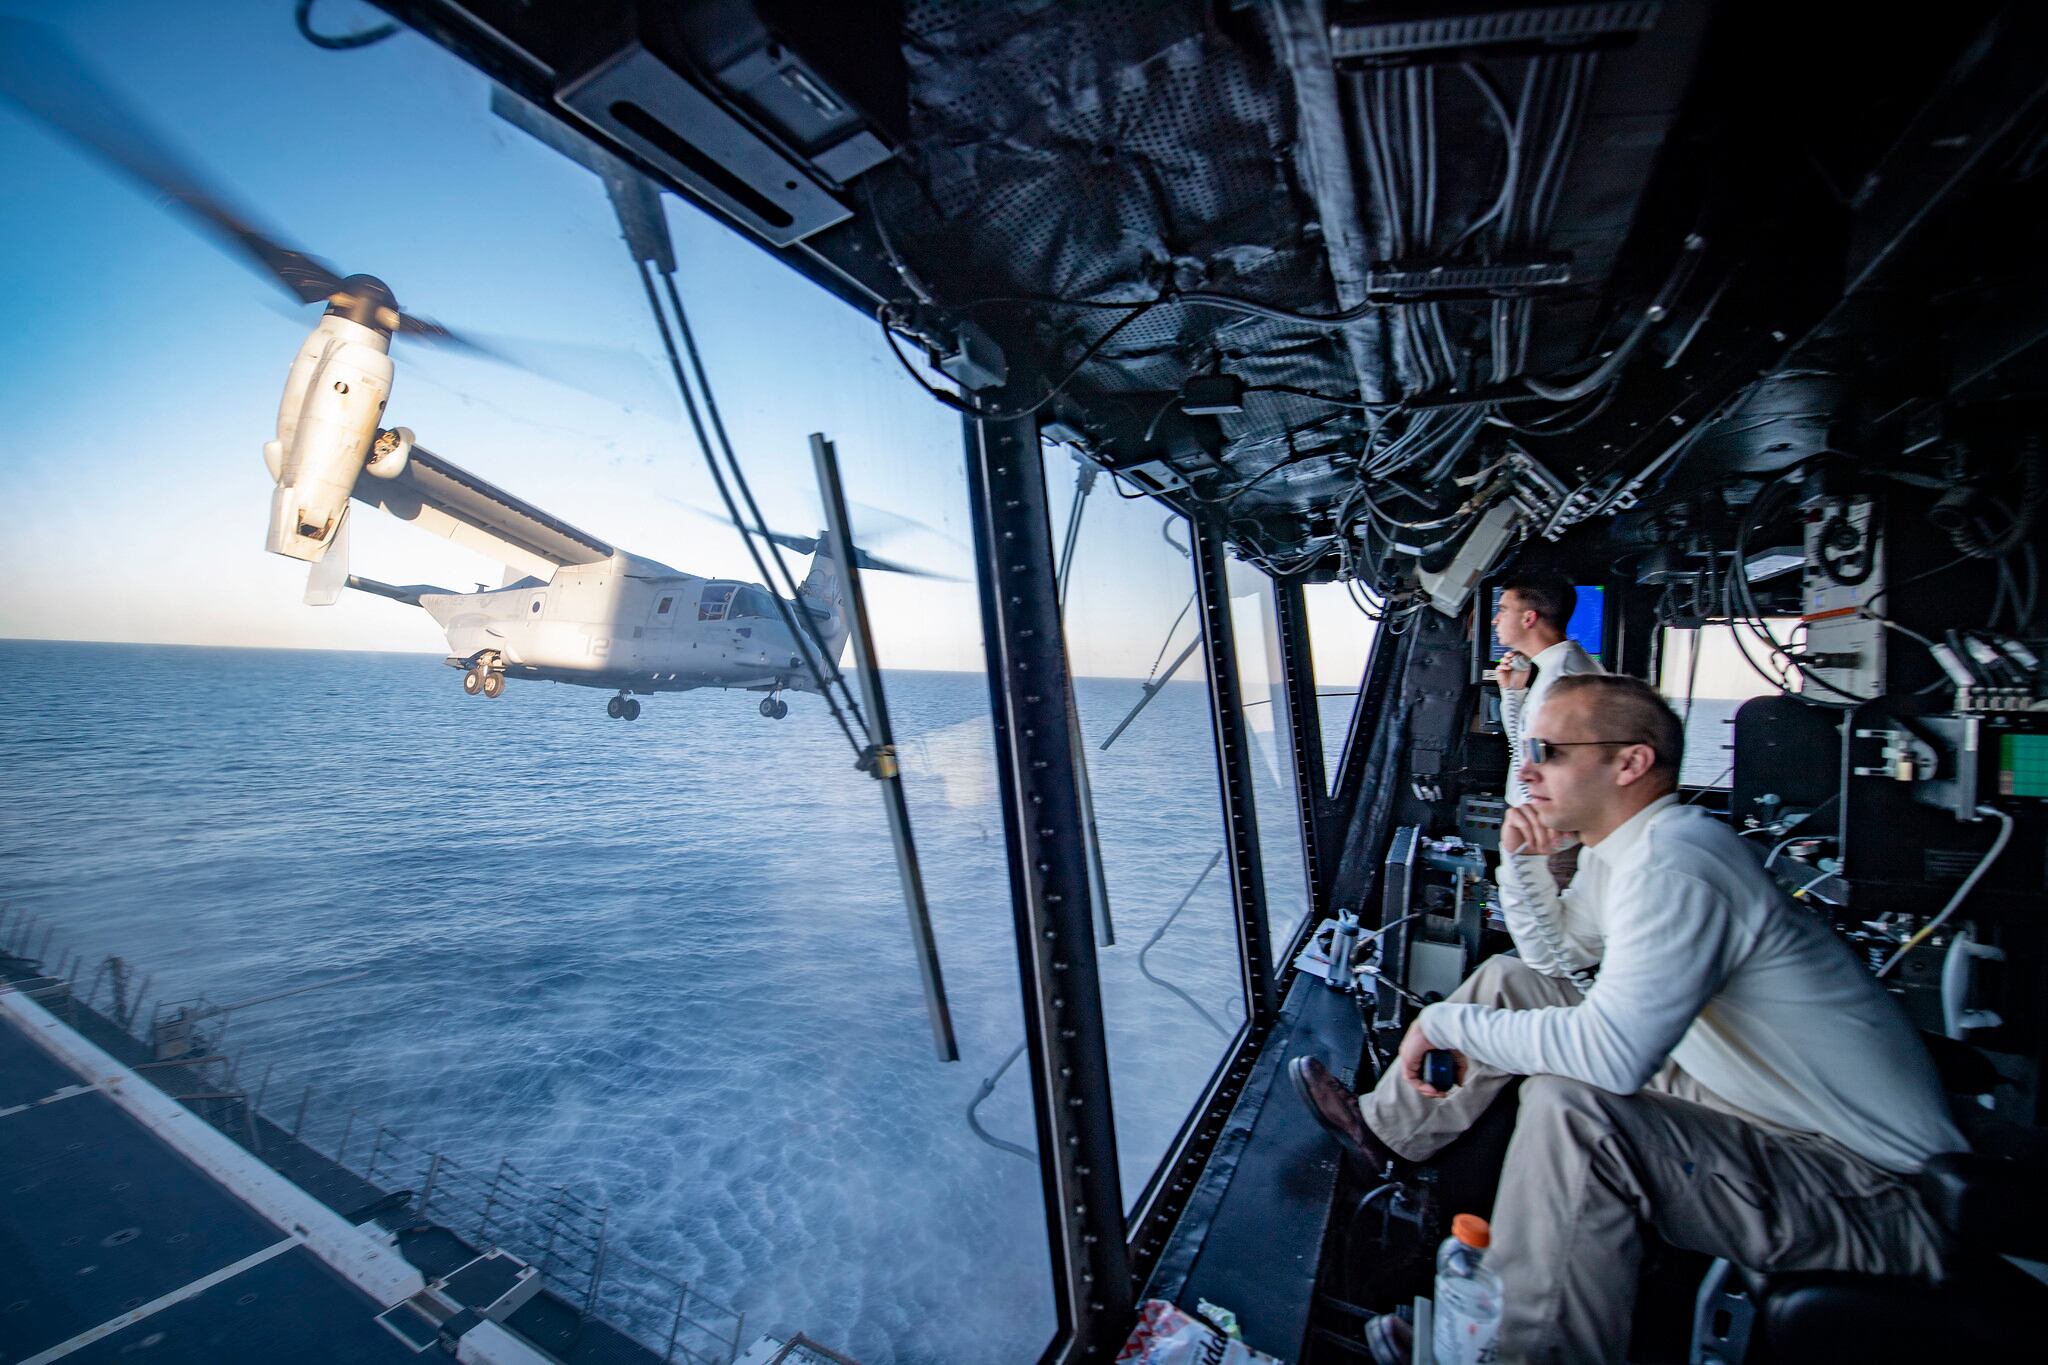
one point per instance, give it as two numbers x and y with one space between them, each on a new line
1587 626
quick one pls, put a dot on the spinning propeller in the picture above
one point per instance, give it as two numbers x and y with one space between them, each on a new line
863 558
40 73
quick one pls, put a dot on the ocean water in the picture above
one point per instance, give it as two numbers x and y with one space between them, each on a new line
662 963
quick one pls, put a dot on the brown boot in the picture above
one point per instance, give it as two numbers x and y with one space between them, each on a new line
1336 1108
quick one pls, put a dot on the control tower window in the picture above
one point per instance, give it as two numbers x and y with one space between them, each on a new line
1254 620
1130 621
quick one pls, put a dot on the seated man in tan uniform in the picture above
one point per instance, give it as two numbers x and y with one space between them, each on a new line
1732 1078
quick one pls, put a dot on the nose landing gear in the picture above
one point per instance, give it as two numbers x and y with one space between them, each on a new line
773 707
622 707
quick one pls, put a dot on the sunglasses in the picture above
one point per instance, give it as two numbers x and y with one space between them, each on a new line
1541 751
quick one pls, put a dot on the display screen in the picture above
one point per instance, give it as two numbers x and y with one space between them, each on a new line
2023 765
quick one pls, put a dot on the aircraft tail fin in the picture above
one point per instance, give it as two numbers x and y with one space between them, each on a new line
823 595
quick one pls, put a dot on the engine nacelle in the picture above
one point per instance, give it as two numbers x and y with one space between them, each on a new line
389 452
323 447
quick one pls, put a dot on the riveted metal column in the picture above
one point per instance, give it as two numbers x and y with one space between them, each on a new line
1305 735
1234 777
1048 856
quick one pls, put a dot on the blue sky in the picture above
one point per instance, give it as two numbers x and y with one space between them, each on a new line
143 366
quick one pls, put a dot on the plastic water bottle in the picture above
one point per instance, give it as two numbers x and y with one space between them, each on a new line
1467 1326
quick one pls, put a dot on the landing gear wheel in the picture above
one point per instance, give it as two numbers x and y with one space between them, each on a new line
473 681
781 709
768 708
615 708
631 709
494 684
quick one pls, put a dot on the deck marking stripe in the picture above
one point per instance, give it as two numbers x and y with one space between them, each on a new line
170 1300
62 1093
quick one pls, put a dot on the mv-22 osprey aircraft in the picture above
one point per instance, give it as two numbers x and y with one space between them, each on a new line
573 608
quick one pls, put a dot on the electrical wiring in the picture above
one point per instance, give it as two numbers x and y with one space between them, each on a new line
1152 426
1511 135
1160 932
1160 658
885 315
1806 888
1969 884
903 271
1779 847
302 14
800 632
1354 404
1978 542
1658 309
1751 618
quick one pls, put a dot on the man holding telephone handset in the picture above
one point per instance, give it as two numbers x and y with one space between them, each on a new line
1535 607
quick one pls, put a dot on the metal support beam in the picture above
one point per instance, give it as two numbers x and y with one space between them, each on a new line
1234 778
880 758
1305 736
1043 833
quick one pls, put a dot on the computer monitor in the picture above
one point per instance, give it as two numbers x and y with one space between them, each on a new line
1588 627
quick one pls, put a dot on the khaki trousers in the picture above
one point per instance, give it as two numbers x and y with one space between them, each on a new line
1588 1171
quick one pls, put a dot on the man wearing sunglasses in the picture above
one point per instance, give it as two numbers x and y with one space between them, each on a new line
1732 1078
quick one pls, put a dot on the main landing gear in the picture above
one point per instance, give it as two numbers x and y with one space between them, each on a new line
622 707
773 707
482 677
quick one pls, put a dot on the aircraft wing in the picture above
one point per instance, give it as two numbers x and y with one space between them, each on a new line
456 505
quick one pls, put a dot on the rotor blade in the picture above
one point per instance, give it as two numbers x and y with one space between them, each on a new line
610 372
803 545
39 72
872 561
879 523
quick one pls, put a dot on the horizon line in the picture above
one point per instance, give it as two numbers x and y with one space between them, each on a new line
430 654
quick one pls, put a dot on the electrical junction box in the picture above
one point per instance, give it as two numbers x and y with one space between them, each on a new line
1841 544
975 362
1449 589
1212 395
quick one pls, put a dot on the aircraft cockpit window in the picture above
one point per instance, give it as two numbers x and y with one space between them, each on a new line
753 602
716 603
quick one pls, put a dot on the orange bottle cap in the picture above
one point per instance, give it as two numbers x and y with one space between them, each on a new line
1471 1229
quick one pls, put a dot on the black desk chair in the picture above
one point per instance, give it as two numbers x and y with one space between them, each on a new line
1991 1201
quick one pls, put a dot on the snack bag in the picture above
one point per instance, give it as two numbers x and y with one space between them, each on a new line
1167 1336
